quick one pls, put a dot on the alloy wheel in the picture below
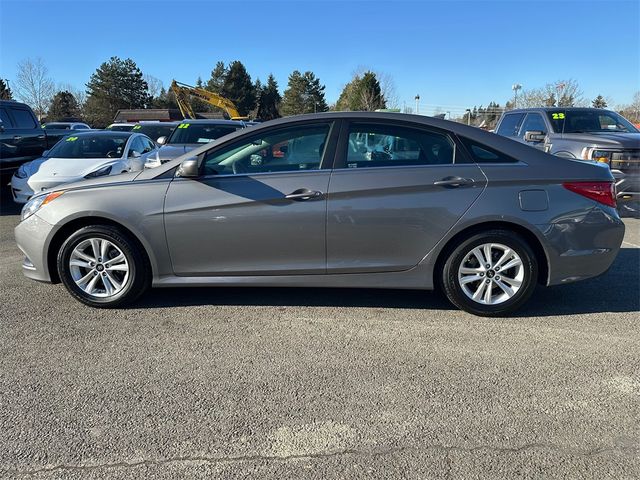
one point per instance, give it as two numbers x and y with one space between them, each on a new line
491 273
99 267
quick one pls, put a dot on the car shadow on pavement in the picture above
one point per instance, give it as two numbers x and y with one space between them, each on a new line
7 205
616 291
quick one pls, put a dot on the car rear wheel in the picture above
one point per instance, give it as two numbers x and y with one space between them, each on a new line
102 267
491 273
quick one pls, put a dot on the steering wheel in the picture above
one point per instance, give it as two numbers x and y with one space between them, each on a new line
239 167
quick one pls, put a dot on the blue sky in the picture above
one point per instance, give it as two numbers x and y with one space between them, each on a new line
453 53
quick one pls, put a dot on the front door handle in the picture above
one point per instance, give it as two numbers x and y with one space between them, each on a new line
17 138
453 182
303 194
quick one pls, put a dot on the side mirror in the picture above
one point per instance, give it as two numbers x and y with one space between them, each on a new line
534 136
134 154
189 168
161 140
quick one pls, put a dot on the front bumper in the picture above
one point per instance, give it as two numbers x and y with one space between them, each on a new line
20 189
33 236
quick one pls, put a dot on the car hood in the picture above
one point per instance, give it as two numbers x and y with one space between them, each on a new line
52 168
606 139
169 152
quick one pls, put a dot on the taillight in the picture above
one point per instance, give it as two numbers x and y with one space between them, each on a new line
603 192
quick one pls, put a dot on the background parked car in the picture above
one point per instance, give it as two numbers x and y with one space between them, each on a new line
66 126
447 204
22 139
155 130
190 134
80 156
121 127
583 133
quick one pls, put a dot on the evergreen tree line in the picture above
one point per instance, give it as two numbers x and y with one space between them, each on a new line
120 84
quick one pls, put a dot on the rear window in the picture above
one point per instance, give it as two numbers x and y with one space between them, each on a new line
23 118
154 131
509 124
199 133
483 154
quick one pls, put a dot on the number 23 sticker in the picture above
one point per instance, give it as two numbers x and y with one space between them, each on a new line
558 116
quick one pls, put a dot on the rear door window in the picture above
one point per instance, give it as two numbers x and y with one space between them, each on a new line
509 124
377 145
23 118
484 154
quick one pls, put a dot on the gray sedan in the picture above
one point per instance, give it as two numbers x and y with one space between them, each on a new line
376 200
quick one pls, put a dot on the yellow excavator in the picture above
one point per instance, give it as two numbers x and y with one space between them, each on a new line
183 93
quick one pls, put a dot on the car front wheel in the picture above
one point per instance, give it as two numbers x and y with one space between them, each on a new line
491 273
102 267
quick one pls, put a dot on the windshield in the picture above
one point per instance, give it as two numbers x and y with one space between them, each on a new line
199 132
589 121
154 131
90 146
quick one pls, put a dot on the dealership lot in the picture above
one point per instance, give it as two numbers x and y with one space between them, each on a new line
287 383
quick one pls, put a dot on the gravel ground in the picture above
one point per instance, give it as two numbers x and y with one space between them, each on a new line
303 383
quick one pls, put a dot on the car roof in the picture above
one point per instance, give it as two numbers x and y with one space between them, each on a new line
550 109
102 133
211 121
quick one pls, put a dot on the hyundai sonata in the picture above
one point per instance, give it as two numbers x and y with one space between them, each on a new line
375 200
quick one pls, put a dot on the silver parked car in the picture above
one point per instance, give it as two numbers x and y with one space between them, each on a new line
376 200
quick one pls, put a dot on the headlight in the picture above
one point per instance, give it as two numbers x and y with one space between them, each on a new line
99 173
33 205
22 172
602 156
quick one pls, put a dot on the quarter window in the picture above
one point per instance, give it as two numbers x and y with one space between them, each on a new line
483 154
372 145
509 124
291 149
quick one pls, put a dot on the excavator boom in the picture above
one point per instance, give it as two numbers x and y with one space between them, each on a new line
183 93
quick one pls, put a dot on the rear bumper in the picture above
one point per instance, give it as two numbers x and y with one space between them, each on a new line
32 237
582 247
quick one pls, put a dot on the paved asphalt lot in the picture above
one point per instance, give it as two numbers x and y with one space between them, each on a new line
287 383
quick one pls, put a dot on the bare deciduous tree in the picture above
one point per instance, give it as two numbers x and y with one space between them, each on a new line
562 93
155 85
34 86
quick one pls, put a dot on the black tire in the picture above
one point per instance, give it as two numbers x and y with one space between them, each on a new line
139 270
462 252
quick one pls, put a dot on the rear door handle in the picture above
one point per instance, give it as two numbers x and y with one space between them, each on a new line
17 138
303 194
41 137
453 182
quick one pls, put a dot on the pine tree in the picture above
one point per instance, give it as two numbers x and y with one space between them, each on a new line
116 84
599 102
64 106
5 91
238 88
269 100
218 74
362 93
304 94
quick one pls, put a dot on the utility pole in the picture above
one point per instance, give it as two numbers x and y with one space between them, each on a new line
559 88
417 99
468 112
515 87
